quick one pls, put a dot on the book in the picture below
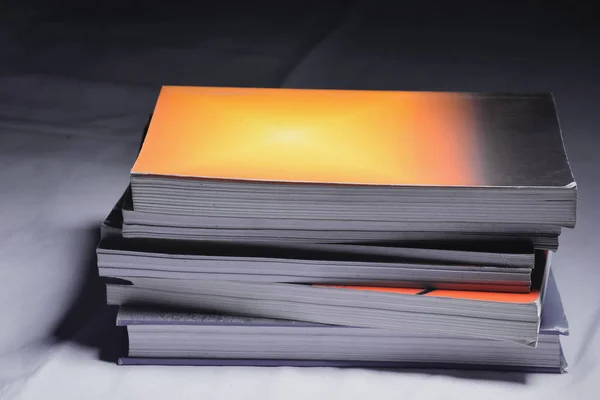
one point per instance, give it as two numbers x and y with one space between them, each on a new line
179 337
503 316
327 157
483 266
147 225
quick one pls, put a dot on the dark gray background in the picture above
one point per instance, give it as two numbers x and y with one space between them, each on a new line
78 80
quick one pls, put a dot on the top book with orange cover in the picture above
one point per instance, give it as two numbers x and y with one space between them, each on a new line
355 137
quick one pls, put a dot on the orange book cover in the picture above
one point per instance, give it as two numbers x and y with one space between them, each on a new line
314 136
531 297
539 280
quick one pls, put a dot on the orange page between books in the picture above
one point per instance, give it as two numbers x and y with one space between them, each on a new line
530 297
312 136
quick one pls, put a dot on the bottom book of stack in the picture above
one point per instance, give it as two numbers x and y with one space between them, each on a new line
175 337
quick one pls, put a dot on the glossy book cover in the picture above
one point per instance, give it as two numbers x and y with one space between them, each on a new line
355 137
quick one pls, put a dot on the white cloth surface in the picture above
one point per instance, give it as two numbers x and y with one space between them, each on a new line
76 87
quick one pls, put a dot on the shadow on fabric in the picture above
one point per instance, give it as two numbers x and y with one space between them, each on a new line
90 321
476 375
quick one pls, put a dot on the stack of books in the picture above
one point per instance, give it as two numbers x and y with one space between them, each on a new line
342 228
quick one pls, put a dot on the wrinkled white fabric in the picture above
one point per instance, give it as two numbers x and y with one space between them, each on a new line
73 102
